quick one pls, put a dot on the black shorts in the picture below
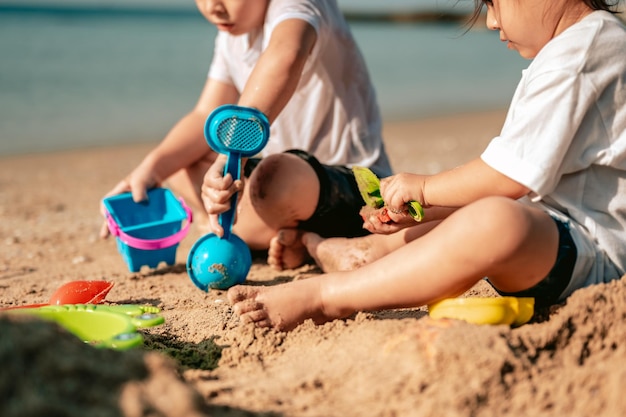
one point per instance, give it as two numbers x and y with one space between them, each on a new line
548 290
337 211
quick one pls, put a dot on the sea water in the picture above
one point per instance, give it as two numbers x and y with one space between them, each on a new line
72 77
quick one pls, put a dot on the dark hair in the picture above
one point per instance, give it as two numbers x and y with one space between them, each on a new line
606 5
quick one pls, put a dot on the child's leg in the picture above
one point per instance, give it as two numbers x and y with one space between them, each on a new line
281 191
513 244
293 192
345 254
287 251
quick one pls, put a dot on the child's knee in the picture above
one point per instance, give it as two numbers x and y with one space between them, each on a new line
494 210
502 220
281 178
285 187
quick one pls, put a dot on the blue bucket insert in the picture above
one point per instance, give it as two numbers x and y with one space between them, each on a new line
148 232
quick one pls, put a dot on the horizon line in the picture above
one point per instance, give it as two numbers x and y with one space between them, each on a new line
393 16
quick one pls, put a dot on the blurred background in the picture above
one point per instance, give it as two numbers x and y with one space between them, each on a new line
84 73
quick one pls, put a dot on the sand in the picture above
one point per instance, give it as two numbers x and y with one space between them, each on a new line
569 360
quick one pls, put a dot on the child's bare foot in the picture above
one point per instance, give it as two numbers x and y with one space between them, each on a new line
286 250
281 307
338 253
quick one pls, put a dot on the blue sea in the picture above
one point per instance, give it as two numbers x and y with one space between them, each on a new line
75 76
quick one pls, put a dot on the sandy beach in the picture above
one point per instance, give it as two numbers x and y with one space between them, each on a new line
568 361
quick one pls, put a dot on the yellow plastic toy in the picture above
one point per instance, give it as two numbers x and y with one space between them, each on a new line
513 311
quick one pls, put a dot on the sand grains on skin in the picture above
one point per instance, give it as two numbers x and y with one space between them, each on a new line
279 307
339 254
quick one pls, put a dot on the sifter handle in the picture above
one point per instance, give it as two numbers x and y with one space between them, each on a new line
233 167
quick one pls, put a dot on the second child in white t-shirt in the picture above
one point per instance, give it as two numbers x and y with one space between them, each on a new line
297 62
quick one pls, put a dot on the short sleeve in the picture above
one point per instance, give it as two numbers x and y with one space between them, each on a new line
219 68
545 116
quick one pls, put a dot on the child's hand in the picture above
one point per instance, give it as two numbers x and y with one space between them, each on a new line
217 191
398 190
380 221
138 183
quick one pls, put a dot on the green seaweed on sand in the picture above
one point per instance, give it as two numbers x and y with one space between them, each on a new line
204 355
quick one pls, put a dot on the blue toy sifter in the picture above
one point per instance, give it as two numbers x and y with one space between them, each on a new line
215 262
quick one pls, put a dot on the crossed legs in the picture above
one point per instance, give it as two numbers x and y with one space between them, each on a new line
513 244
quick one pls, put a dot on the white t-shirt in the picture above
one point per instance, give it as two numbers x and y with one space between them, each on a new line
333 114
565 134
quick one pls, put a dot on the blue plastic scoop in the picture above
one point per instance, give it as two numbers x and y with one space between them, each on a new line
215 262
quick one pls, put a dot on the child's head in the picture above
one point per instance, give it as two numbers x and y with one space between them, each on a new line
236 17
527 25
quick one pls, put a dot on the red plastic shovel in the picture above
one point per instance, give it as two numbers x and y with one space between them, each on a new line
75 292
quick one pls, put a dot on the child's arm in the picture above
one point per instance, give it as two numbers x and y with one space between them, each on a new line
182 146
276 75
185 143
272 83
453 188
439 194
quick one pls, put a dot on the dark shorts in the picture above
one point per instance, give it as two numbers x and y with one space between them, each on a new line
548 291
337 211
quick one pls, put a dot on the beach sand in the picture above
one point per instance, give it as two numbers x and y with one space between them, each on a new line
568 361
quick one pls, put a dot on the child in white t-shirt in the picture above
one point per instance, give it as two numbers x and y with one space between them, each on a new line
297 62
541 213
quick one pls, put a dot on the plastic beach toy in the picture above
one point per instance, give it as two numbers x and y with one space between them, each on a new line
81 292
485 310
75 292
113 327
215 262
148 232
369 187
